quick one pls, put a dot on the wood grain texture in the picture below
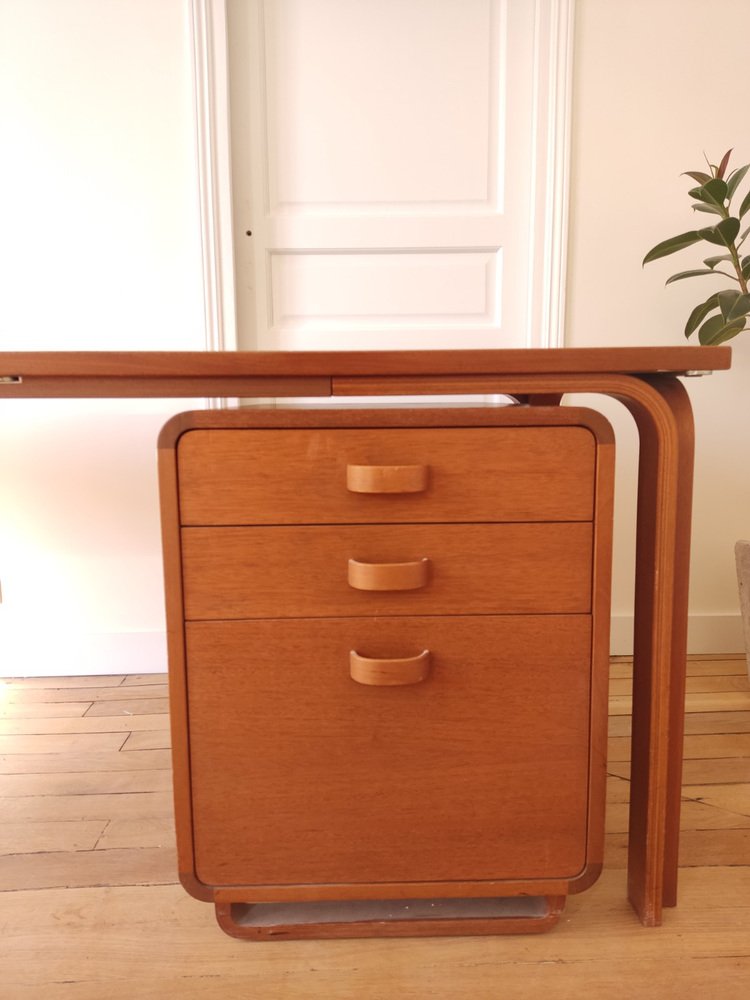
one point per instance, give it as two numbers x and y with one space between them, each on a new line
274 476
84 782
16 695
50 710
74 942
698 665
137 833
94 724
61 743
499 732
138 866
367 575
653 857
699 771
696 685
262 572
228 574
389 673
387 478
128 707
82 835
147 740
696 746
662 414
102 760
83 942
667 978
141 680
696 723
149 368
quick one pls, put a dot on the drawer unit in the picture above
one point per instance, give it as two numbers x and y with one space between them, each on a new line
448 779
388 635
401 569
319 476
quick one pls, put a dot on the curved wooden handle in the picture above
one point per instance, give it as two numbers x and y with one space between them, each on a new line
389 673
388 576
386 478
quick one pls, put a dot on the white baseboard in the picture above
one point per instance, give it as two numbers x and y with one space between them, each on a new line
82 654
706 634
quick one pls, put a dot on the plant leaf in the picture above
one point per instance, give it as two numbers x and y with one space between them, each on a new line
672 245
735 178
711 328
713 261
714 334
689 274
727 300
745 267
712 193
709 208
700 312
724 164
716 329
698 175
723 233
740 308
745 204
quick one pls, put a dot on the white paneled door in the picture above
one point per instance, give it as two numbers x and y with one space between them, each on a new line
393 182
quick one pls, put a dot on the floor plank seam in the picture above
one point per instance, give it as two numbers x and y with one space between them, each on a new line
99 838
717 808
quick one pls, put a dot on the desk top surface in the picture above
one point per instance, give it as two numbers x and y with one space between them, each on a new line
18 366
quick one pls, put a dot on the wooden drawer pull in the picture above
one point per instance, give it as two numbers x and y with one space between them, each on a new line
388 576
389 673
386 478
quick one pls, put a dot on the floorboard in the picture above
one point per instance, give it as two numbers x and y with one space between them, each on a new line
90 906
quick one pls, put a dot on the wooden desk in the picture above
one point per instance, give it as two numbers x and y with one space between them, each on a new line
643 379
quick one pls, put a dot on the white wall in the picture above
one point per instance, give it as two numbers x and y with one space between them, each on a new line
101 251
654 87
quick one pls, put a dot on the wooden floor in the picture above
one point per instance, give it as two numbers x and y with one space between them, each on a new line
89 908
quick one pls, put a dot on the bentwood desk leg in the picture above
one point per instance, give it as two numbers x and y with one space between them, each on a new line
662 563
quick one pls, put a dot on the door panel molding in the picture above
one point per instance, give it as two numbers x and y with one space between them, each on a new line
288 225
207 28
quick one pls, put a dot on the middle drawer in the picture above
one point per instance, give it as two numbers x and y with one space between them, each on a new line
305 570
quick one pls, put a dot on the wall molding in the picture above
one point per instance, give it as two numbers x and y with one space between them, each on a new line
553 83
207 25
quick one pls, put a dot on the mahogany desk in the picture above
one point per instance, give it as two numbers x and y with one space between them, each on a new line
643 379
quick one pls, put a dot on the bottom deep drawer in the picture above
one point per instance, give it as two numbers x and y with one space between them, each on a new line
480 769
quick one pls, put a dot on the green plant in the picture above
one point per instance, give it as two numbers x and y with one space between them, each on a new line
724 314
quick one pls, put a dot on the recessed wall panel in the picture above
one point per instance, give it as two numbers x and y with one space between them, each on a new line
405 290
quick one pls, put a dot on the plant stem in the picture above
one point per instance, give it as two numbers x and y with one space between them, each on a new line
738 268
735 255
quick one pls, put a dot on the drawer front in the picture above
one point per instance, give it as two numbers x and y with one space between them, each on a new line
478 770
291 572
311 476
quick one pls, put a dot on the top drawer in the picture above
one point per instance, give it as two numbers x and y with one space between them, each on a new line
317 475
